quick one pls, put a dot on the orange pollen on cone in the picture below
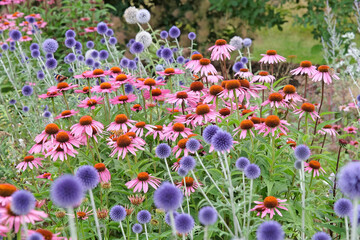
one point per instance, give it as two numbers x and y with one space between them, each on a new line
7 189
51 128
232 84
327 126
305 64
115 70
91 102
255 120
196 86
62 137
156 92
62 85
189 182
224 111
246 124
178 127
81 214
314 164
123 98
169 71
105 85
85 89
29 158
150 82
85 120
66 113
182 95
263 73
323 68
271 52
143 176
220 42
158 128
244 83
121 77
275 97
131 134
137 106
244 70
121 118
202 109
196 56
100 167
272 121
308 107
246 111
123 141
140 124
45 233
182 143
205 61
289 89
271 202
98 72
216 89
292 143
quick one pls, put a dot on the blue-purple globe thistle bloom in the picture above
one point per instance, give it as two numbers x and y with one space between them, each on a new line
207 215
166 53
237 66
49 55
101 28
180 59
137 228
89 61
174 32
247 42
270 230
70 34
51 63
321 236
163 150
4 47
182 172
34 46
342 207
209 132
78 47
191 35
15 35
298 164
222 141
302 152
124 62
109 32
12 101
143 216
244 60
35 236
143 16
349 180
167 217
117 213
103 55
164 34
47 114
193 145
168 197
35 53
129 88
30 19
242 163
67 191
252 171
188 163
27 90
112 40
184 223
25 109
40 75
132 64
22 202
70 42
136 48
90 44
89 176
50 45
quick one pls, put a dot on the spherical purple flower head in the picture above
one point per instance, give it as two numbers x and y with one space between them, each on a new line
186 60
12 43
191 35
158 52
90 44
12 48
137 228
35 53
144 216
237 66
297 164
94 54
89 62
242 163
174 49
5 47
49 55
25 109
209 132
40 75
35 236
132 64
112 40
136 59
270 230
163 150
159 68
30 19
180 59
188 163
184 223
51 63
101 28
349 180
124 62
302 152
342 207
222 141
207 215
117 213
70 42
34 46
78 47
168 197
27 90
80 58
71 57
166 53
70 34
174 32
358 98
252 171
47 114
88 176
12 101
192 145
128 88
102 41
182 172
244 60
109 32
136 48
15 35
22 202
247 42
103 54
50 45
67 191
164 34
321 236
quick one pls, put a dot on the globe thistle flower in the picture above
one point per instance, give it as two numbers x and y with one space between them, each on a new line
270 230
236 42
124 62
132 64
49 55
209 132
349 180
101 28
321 236
298 164
130 15
12 101
89 61
117 213
244 60
51 63
78 47
67 191
103 55
5 47
143 216
137 228
70 34
163 151
343 207
247 42
166 54
237 66
35 53
207 215
174 32
112 40
88 176
47 114
167 217
137 48
242 163
188 163
109 32
222 141
27 90
180 59
184 223
302 152
90 44
35 236
252 171
50 45
22 202
15 35
181 171
168 197
33 46
70 42
25 109
143 16
191 35
164 34
193 145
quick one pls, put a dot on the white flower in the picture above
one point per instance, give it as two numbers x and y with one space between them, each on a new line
236 42
130 15
143 16
144 37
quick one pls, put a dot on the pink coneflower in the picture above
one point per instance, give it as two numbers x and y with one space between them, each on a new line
176 165
204 114
290 94
104 173
307 108
3 230
136 200
221 50
182 99
48 235
232 89
170 72
136 108
50 94
214 93
96 73
31 162
196 87
194 62
67 114
181 146
121 123
45 176
122 79
269 204
313 166
158 131
90 29
354 143
123 99
50 131
306 67
124 144
327 129
62 87
276 100
244 73
149 83
213 78
205 67
104 87
271 124
139 127
38 147
174 130
188 185
250 90
136 139
59 153
263 77
91 102
114 71
350 129
82 213
15 15
34 15
65 140
87 125
245 127
142 182
271 57
6 190
10 219
25 39
324 73
156 94
40 24
185 119
84 19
